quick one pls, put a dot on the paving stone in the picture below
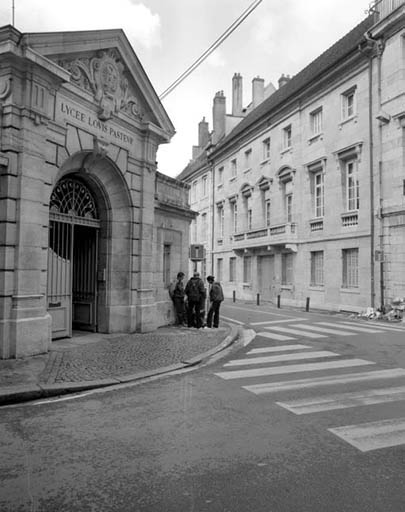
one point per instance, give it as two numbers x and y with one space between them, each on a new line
130 354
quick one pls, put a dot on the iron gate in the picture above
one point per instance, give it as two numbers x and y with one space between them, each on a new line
72 258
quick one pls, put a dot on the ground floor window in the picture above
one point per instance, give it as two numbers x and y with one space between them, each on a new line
287 269
166 264
317 268
220 265
247 269
350 271
232 269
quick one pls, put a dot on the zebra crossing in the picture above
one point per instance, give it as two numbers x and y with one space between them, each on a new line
286 358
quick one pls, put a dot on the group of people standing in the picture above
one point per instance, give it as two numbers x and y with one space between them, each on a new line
189 301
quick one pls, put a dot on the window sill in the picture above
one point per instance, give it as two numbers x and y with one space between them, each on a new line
233 178
265 161
220 185
286 287
317 287
348 120
248 169
315 138
354 291
286 150
247 285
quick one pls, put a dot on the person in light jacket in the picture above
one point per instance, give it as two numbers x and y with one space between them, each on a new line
216 296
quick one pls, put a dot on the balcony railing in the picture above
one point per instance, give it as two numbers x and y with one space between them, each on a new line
274 233
382 8
316 224
257 233
283 228
350 219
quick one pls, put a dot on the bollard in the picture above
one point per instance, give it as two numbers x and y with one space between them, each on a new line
258 299
234 296
278 300
307 304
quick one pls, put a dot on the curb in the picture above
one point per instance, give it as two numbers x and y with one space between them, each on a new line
19 394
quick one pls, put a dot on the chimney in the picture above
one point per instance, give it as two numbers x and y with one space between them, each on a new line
257 91
196 151
237 92
218 116
283 80
203 134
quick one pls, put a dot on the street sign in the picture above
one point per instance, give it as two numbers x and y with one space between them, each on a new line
197 252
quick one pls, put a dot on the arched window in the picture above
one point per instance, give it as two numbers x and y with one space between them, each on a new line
72 197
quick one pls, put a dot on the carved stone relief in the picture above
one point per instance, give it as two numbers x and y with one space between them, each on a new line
104 77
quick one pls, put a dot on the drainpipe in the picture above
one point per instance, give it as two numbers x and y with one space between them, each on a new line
371 161
212 217
378 46
380 179
368 52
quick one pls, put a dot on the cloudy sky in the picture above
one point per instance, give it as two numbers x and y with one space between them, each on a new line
279 36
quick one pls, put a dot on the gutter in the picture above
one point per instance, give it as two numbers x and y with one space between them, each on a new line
373 47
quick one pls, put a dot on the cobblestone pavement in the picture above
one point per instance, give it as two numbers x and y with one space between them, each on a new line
127 354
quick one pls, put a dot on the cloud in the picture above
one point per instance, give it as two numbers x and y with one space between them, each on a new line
141 25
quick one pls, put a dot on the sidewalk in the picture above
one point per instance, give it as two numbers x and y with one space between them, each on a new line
91 360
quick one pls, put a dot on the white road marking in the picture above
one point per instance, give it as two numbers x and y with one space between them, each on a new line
292 368
63 399
286 385
232 320
261 311
278 321
278 348
326 331
373 435
296 332
274 336
344 400
281 357
354 328
381 327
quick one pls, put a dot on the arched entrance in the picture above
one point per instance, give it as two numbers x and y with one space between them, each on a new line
72 257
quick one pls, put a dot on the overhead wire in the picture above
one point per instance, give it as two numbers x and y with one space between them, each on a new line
213 47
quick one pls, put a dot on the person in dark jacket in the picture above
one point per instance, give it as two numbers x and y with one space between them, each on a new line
216 296
177 295
195 292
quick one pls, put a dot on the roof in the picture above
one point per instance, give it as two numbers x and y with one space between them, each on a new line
320 65
193 166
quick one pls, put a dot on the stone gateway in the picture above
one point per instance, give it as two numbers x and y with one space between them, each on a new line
91 232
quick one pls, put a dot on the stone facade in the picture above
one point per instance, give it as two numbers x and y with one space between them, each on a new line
80 128
305 194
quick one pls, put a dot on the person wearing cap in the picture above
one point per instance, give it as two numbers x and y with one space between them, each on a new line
216 296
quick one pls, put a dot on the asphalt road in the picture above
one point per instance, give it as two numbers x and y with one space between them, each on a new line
218 439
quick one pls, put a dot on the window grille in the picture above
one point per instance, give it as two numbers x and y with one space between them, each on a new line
350 278
317 268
